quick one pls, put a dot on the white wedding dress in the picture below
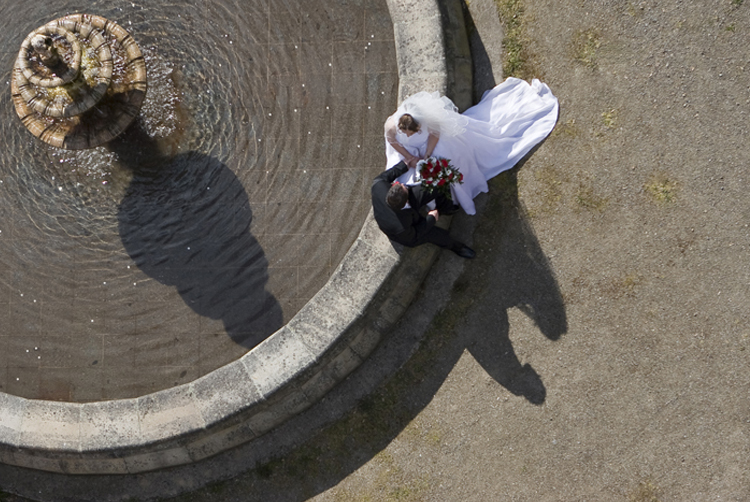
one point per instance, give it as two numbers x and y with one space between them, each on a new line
482 142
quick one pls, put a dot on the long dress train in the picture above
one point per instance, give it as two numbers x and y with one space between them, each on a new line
505 125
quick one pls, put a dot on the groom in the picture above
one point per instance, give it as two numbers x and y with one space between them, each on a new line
406 225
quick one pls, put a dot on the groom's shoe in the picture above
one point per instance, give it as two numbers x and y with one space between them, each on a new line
465 252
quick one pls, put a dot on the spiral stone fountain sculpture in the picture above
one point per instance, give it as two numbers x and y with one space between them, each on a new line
79 81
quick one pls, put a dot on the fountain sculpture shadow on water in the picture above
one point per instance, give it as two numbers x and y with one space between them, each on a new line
185 221
78 82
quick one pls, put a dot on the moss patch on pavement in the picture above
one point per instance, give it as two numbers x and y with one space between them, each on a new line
518 61
585 46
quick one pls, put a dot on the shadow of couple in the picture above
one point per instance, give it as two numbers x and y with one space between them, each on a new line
514 274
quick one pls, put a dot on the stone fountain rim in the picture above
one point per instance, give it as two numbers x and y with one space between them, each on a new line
288 372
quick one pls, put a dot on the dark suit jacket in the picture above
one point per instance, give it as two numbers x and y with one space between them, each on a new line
405 226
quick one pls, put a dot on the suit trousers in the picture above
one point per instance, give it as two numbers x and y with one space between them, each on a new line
439 237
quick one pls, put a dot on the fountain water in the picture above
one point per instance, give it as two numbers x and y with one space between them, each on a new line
153 262
164 254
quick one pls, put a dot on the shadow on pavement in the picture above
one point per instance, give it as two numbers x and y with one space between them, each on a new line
521 277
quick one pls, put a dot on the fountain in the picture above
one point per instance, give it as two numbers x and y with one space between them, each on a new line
79 81
135 266
138 277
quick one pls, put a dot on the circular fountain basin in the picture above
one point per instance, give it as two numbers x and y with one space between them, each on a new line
289 370
161 256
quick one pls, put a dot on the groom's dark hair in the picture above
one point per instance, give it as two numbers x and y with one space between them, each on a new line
397 196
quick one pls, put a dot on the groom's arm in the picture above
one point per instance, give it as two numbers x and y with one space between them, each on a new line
390 175
388 220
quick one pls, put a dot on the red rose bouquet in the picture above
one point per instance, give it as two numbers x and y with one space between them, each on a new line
437 174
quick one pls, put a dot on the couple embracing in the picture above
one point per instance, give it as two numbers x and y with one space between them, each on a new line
482 142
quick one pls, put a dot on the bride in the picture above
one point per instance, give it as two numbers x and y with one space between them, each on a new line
482 142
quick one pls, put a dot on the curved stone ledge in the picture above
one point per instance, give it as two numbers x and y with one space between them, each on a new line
282 376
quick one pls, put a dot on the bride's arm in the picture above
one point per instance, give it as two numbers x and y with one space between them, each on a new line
390 137
432 140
